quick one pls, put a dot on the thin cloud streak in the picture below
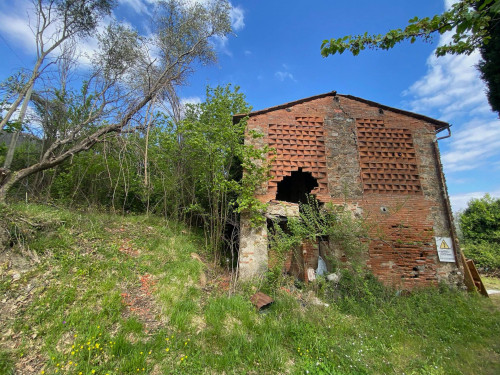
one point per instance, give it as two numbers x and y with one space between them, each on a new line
459 202
283 75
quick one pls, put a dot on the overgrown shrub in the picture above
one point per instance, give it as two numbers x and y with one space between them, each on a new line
486 255
315 221
480 225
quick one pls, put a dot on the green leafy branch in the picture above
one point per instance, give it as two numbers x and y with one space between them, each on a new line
468 20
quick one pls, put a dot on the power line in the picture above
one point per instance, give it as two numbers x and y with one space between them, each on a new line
9 47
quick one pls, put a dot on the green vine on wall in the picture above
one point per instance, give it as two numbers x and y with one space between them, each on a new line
316 220
256 169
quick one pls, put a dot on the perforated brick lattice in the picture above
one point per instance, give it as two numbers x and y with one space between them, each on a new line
299 145
387 158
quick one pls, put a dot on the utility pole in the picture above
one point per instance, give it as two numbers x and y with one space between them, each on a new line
15 136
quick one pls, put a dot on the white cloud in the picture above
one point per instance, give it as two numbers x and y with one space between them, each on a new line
221 44
453 91
283 75
236 13
18 22
237 18
472 145
190 100
459 201
15 26
138 6
450 88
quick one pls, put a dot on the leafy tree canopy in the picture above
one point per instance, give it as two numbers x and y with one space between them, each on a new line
481 220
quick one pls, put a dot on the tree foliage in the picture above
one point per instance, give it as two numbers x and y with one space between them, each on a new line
57 22
489 64
189 170
481 220
480 224
130 76
473 24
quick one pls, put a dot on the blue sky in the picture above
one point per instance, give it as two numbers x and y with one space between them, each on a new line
274 56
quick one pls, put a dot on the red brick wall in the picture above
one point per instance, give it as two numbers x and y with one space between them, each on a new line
381 161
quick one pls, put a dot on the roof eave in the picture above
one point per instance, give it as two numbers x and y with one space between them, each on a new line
439 125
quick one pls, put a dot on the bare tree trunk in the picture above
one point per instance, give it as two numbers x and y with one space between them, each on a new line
13 141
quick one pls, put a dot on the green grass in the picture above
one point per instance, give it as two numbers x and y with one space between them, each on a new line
121 295
491 282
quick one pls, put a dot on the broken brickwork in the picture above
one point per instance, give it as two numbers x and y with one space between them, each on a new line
380 161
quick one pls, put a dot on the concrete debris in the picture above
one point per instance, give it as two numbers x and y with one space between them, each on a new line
333 277
282 209
311 275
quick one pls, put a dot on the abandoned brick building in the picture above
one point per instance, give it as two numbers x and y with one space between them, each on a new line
380 162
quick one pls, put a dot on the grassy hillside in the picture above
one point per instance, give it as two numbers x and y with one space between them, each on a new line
103 294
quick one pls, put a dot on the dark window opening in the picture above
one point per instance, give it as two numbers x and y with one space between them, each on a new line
296 187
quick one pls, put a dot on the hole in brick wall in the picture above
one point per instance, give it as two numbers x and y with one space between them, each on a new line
416 273
296 187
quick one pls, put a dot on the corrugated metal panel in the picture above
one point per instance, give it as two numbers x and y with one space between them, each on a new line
261 300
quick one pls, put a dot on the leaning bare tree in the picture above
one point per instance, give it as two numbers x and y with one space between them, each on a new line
129 72
56 22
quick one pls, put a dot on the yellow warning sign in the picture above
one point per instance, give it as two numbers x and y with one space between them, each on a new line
445 249
444 245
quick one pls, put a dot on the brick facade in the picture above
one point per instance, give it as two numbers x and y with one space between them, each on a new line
381 161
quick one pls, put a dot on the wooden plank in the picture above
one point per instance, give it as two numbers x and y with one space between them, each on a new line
468 279
477 279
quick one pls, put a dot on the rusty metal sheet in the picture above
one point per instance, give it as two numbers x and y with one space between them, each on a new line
261 300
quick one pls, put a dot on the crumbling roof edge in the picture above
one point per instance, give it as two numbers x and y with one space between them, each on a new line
239 116
440 125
